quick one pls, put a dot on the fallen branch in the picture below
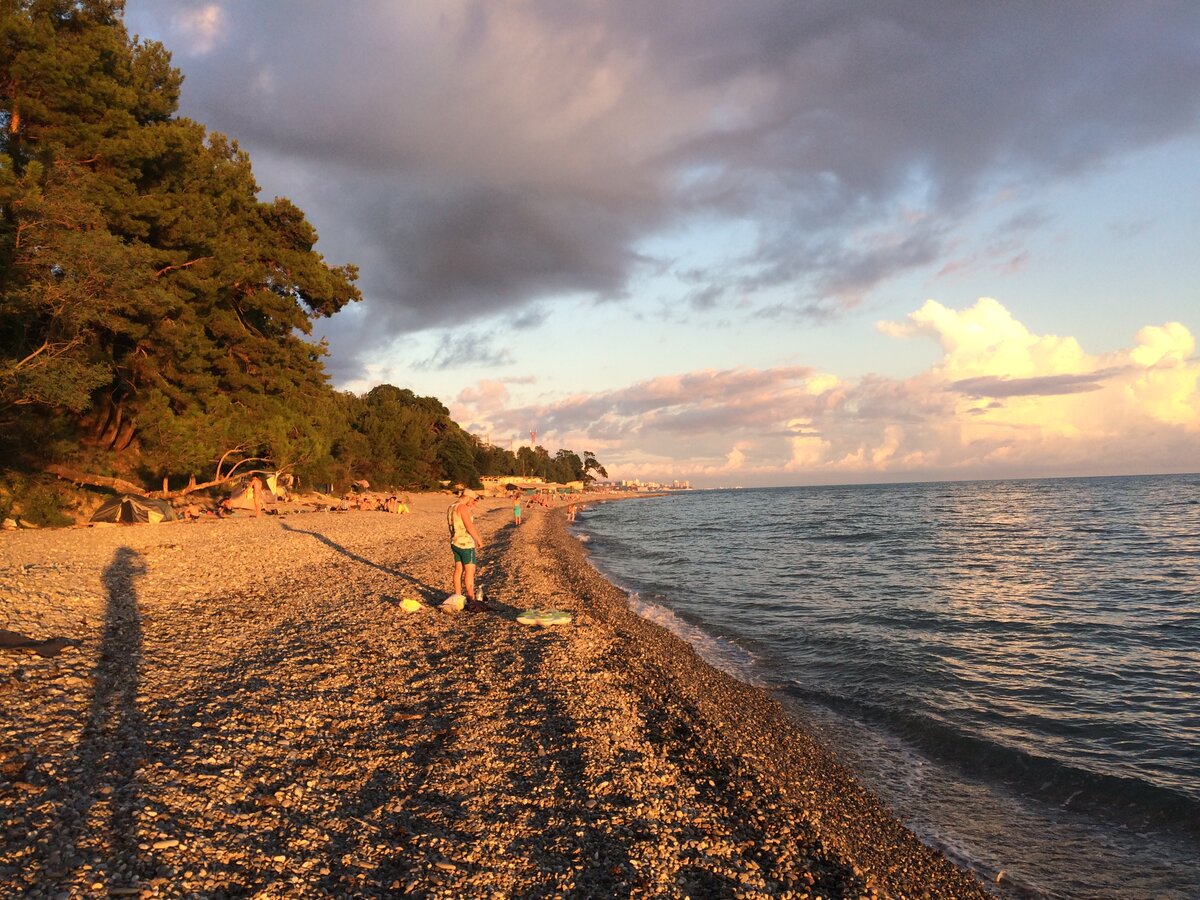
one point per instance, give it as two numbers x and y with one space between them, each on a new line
128 487
117 484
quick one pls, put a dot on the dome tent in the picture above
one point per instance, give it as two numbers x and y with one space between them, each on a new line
243 497
132 509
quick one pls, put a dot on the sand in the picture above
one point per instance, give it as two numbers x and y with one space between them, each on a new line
248 711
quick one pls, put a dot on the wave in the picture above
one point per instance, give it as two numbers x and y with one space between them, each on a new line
1121 800
720 653
936 606
852 537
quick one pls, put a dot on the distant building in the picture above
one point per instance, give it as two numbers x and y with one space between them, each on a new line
636 485
495 485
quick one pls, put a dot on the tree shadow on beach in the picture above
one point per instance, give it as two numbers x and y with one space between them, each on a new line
96 821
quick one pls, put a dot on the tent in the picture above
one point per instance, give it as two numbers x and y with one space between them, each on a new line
243 497
279 485
131 508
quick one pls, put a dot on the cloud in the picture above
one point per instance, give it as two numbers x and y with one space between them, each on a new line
477 160
465 349
1002 401
1045 385
201 28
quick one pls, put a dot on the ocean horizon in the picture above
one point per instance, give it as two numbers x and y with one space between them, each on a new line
1010 665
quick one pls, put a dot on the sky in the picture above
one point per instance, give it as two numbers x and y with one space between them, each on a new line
743 244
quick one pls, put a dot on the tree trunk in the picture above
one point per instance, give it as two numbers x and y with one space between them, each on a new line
125 435
112 425
117 484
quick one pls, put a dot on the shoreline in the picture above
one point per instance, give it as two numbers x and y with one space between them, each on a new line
774 751
250 711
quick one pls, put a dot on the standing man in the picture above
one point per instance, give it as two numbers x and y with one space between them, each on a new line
256 488
464 541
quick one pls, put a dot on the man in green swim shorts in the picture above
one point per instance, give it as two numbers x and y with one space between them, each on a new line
464 541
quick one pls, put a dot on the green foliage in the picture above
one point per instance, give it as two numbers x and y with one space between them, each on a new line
154 313
457 459
145 289
491 460
43 505
590 465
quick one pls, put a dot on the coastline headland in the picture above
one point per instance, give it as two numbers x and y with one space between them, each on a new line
247 709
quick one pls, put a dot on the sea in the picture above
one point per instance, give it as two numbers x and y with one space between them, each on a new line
1013 667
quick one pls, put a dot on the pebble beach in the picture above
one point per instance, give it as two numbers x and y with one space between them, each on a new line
243 708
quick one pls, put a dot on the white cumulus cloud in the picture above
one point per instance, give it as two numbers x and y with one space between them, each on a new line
1002 401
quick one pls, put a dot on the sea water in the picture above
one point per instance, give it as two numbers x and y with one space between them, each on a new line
1012 666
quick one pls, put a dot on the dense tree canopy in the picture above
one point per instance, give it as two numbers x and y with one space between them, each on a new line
155 313
150 301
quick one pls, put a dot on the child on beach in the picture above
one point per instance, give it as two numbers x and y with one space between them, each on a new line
464 542
517 510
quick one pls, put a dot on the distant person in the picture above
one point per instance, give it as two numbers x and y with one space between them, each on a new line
403 509
464 542
517 510
255 490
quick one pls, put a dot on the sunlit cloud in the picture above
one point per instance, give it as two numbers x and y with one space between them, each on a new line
1002 401
200 28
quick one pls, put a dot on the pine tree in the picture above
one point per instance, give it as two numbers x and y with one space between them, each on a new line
150 303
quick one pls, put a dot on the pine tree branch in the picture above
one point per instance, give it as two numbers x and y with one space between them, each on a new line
165 269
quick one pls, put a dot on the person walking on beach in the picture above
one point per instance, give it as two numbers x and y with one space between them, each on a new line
464 542
517 509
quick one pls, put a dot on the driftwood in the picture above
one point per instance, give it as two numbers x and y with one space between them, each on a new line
117 484
128 487
220 479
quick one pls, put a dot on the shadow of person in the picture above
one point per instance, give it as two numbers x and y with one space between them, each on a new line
102 799
426 589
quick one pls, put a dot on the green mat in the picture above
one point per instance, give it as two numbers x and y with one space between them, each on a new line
544 617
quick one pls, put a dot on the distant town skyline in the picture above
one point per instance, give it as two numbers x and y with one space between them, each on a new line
755 244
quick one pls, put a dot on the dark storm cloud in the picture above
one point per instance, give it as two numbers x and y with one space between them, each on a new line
475 158
442 253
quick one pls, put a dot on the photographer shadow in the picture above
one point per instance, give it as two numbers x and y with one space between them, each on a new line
97 824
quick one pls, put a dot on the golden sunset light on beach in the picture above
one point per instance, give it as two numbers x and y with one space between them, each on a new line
528 448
